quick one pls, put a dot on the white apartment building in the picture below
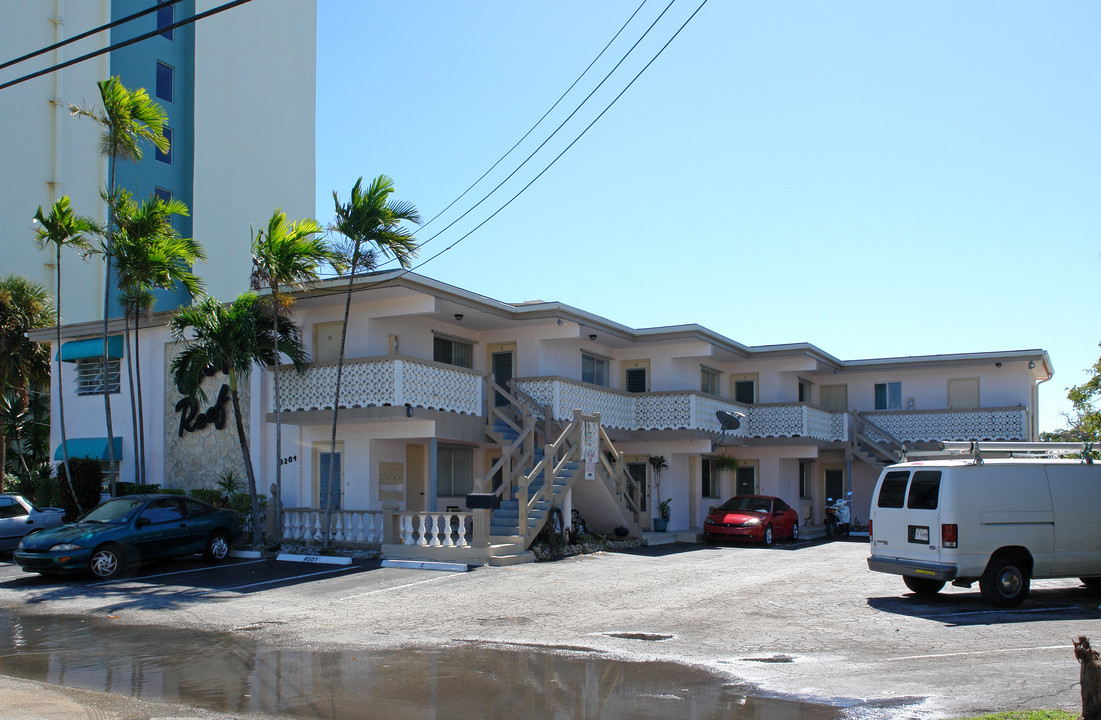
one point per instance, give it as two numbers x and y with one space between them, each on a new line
422 425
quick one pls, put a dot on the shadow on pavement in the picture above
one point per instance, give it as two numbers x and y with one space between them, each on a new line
962 609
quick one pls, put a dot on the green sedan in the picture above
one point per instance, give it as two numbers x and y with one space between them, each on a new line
127 530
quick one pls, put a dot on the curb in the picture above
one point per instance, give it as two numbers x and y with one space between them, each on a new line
425 565
316 559
250 554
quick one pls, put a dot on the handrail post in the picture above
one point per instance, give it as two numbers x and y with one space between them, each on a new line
481 527
389 512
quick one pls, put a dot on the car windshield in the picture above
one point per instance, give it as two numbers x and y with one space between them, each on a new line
745 503
112 511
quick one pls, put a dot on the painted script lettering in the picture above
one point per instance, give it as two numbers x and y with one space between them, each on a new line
191 419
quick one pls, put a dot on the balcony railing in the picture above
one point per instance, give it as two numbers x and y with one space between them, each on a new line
391 380
948 425
685 410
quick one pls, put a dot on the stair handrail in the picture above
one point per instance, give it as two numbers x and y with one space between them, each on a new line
617 479
891 451
551 427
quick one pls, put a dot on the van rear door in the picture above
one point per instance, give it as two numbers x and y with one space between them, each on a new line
923 530
888 514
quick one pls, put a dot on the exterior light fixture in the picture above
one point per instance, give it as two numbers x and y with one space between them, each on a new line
592 337
458 317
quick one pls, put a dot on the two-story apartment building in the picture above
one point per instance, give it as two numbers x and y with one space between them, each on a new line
421 423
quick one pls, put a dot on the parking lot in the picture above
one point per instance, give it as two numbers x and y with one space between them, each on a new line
805 620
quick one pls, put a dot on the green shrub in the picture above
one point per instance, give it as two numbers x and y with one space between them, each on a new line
209 495
87 478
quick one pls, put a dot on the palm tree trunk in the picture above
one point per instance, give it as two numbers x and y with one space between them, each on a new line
61 392
133 400
277 521
336 403
248 459
141 414
106 310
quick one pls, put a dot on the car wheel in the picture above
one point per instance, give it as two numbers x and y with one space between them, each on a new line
768 535
923 586
795 532
217 547
106 562
1005 582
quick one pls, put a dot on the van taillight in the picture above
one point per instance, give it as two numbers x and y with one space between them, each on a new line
949 536
870 536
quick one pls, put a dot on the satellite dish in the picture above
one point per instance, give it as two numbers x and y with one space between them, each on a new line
729 420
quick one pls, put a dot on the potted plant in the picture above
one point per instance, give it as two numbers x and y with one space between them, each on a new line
657 462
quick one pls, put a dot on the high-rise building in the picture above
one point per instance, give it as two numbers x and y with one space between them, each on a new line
239 91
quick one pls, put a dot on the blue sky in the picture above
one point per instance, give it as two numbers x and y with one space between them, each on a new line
879 179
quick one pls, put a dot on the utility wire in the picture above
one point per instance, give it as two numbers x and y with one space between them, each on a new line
93 31
567 148
116 46
406 271
537 122
555 132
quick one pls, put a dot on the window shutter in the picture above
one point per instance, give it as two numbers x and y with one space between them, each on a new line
636 380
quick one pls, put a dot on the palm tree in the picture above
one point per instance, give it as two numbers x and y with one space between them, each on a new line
24 364
63 228
128 118
148 254
285 254
371 225
233 337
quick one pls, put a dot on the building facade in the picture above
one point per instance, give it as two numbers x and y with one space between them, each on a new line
240 119
433 374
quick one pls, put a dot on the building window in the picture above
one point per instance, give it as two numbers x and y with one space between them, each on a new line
164 81
804 391
161 194
710 479
709 381
454 471
745 389
804 480
165 17
888 396
166 157
89 376
634 379
594 369
452 352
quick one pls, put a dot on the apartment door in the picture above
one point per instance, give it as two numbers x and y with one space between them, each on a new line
326 342
963 393
834 397
326 465
745 480
834 479
415 477
502 363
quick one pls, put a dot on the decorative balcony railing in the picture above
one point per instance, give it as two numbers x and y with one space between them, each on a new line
948 425
683 411
351 527
391 380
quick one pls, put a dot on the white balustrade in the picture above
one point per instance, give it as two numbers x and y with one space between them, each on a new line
348 526
385 381
949 425
436 529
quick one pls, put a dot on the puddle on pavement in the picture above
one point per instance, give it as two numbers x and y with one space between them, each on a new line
231 672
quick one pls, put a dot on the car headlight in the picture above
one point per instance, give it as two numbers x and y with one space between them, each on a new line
64 547
709 521
751 522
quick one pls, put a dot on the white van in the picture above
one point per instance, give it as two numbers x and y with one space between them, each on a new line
1000 521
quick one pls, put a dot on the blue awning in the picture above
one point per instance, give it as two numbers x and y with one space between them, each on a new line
91 348
94 448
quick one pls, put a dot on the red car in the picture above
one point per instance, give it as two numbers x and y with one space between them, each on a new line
752 517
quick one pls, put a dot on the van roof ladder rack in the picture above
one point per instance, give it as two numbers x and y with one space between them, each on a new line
975 449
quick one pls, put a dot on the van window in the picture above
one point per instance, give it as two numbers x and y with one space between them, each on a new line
924 490
893 490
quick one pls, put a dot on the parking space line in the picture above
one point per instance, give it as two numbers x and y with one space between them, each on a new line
1003 612
399 587
978 652
278 580
168 574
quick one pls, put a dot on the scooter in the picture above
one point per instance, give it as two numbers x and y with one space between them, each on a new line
837 516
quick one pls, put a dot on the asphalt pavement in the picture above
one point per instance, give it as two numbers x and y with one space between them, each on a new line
806 621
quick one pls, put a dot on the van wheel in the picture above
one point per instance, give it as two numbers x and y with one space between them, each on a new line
923 586
1005 582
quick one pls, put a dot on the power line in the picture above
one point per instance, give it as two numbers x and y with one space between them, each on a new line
537 122
567 148
125 43
555 132
406 271
93 31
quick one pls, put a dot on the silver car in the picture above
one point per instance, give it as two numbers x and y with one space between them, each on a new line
19 517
